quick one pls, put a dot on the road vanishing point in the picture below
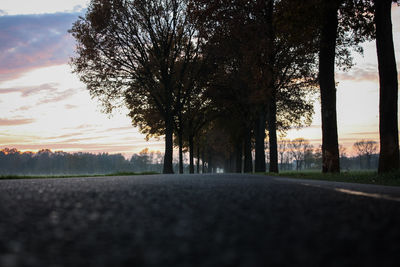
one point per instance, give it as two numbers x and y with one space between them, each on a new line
197 220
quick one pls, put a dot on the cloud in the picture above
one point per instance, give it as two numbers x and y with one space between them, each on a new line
2 12
69 106
57 96
24 108
375 133
93 148
31 90
124 128
32 41
357 74
79 8
12 122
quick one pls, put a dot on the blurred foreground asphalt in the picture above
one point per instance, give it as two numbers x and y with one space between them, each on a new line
197 220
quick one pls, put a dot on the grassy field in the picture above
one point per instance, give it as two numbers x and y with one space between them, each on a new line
73 176
363 177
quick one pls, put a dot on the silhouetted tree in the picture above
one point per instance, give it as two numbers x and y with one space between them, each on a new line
388 92
263 64
365 148
299 149
338 19
133 47
284 153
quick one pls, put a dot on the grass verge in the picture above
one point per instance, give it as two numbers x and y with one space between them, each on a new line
362 177
5 177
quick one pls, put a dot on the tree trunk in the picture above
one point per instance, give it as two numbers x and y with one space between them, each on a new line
239 155
209 162
260 142
203 164
388 93
180 141
169 128
191 154
248 159
273 140
330 146
198 158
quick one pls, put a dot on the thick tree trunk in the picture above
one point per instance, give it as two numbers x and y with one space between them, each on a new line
169 128
239 155
260 142
191 154
330 146
388 93
248 159
273 140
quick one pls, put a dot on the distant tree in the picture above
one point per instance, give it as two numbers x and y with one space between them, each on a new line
365 148
318 157
283 151
308 151
388 128
299 147
46 162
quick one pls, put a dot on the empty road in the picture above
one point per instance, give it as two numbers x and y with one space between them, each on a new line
197 220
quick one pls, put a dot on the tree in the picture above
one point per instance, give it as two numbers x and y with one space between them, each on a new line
330 150
365 148
129 50
264 65
298 149
388 92
344 24
284 153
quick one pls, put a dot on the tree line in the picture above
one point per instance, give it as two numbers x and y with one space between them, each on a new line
297 154
213 77
46 162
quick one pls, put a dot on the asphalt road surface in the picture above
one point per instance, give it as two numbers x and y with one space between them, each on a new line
197 220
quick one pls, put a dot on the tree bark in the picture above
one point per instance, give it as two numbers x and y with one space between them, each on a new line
203 163
330 146
239 155
198 158
248 159
260 142
191 154
180 141
273 140
169 128
388 93
209 162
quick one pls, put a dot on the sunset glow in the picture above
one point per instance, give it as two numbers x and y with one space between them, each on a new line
44 105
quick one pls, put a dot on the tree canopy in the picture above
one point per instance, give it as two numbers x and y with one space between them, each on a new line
199 69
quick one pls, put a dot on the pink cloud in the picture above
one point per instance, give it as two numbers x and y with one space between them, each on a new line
30 90
357 74
31 41
57 96
12 122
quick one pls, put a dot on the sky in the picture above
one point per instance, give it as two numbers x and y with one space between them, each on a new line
44 105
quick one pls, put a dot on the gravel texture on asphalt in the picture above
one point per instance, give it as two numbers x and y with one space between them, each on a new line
193 220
